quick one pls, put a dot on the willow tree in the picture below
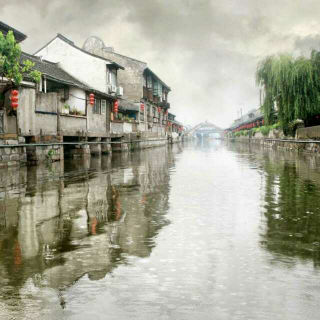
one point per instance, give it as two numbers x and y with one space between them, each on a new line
292 85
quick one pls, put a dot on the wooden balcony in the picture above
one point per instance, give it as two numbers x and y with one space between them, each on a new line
164 104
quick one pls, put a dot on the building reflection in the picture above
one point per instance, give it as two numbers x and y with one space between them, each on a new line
66 220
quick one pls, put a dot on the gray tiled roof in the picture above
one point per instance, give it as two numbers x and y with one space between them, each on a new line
52 71
19 36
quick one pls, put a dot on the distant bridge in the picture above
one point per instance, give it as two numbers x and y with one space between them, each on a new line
204 129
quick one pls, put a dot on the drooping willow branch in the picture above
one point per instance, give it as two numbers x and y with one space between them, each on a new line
292 84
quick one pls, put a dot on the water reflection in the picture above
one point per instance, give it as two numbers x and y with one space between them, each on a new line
84 217
198 231
291 188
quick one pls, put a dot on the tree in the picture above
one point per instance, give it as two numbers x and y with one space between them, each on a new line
11 67
292 84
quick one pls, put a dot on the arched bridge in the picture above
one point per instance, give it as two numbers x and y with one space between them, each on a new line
204 129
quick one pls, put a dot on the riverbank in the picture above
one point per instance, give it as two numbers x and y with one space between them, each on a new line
306 140
16 151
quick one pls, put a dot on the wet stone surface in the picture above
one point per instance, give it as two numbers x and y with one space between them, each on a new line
195 231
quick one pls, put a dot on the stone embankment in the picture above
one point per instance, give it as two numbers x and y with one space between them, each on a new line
306 140
15 151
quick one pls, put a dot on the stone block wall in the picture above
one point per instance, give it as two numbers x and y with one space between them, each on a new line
49 153
308 133
11 154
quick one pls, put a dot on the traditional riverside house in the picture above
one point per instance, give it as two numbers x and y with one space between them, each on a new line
58 108
95 71
253 118
145 96
175 128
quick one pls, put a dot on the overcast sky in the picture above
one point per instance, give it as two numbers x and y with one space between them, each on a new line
205 50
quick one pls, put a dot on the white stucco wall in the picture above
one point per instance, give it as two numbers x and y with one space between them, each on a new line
74 102
97 123
84 67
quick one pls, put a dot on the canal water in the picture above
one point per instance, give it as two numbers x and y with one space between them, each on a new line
202 230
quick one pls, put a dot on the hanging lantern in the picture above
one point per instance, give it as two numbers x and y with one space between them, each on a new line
159 109
116 106
14 99
91 99
142 106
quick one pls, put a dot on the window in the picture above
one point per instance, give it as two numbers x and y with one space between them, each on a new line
144 81
96 107
149 82
112 76
103 106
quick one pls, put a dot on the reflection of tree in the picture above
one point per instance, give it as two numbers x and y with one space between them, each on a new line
292 211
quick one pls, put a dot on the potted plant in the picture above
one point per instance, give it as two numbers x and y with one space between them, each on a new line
65 109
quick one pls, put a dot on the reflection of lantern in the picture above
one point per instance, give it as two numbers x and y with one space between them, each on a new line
142 107
91 99
116 106
14 99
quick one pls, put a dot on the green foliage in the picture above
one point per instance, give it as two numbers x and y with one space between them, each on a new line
265 130
292 127
237 134
75 111
292 84
10 67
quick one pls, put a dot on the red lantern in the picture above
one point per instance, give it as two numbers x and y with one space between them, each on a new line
159 109
142 107
91 99
116 106
14 99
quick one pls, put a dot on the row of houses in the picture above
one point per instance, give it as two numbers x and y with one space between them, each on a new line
252 119
87 94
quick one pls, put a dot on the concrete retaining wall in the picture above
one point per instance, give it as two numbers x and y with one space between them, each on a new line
272 141
308 133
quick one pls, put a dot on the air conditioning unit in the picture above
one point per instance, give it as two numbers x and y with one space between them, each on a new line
119 91
112 89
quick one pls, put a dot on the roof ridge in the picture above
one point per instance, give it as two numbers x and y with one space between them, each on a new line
122 55
39 59
71 43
